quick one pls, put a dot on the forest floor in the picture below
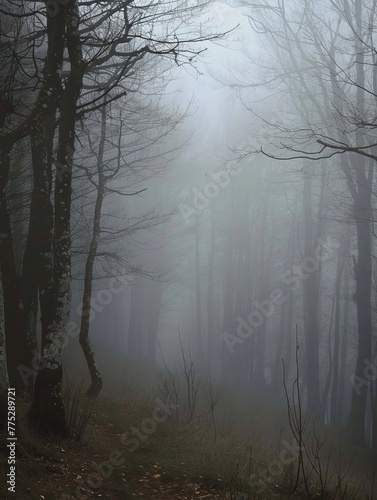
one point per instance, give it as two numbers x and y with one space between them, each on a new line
128 453
165 465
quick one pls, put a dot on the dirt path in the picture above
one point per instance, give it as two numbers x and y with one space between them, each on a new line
73 474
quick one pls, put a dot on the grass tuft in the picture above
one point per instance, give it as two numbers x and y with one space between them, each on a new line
80 411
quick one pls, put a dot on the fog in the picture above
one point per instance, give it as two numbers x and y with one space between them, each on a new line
187 216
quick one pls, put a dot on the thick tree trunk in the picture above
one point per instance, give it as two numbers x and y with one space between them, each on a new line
47 411
18 349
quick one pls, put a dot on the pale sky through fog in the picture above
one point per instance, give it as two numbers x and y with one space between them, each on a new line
215 105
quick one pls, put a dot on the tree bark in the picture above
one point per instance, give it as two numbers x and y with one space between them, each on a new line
4 380
212 345
336 350
47 411
96 380
363 274
198 308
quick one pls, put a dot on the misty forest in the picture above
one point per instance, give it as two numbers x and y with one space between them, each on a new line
188 249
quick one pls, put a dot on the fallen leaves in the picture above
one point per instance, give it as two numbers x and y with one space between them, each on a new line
158 489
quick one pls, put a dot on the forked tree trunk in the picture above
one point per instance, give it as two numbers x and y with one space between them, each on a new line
54 266
46 412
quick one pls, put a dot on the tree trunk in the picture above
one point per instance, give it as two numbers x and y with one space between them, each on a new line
18 349
212 344
4 381
336 351
263 266
47 411
310 303
152 319
363 268
363 274
228 323
135 324
198 309
344 346
96 380
285 322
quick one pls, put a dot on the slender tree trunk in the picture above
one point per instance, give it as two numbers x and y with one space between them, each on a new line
259 381
30 297
344 346
4 380
310 302
152 319
241 361
96 380
363 273
198 308
211 338
363 270
336 352
228 308
285 322
135 326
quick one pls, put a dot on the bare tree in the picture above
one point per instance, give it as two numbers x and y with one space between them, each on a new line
75 67
328 74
